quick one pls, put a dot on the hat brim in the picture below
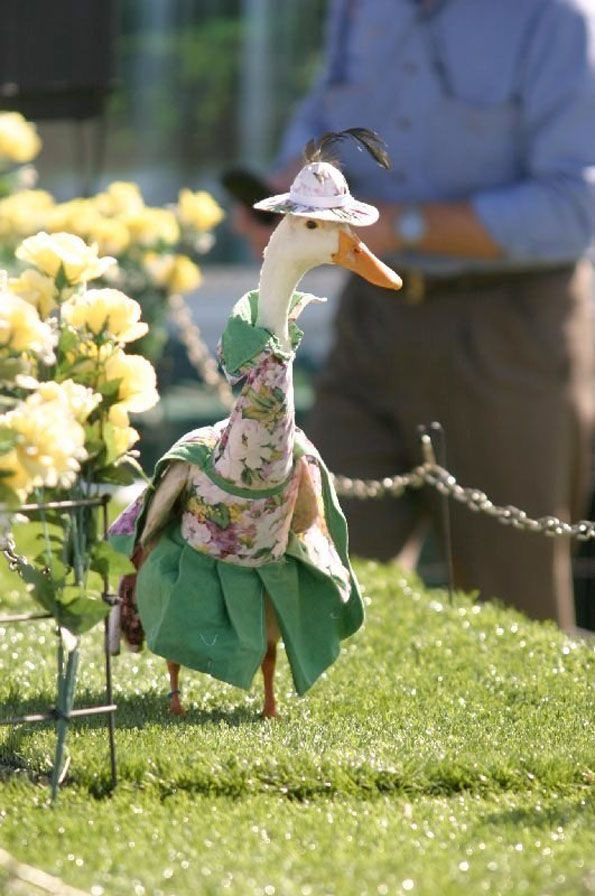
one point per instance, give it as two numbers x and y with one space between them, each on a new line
354 212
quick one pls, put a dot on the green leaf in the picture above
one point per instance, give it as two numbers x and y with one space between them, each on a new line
106 561
8 439
132 462
110 389
80 609
7 495
112 451
11 367
94 446
55 567
61 279
69 340
115 475
41 586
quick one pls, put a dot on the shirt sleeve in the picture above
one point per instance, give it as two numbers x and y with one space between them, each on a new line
550 214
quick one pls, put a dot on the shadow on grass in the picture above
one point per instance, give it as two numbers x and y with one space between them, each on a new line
133 711
562 813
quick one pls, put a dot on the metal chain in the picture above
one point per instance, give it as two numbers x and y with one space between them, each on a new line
8 548
197 350
438 477
378 488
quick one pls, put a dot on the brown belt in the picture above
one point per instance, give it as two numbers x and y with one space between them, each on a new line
418 287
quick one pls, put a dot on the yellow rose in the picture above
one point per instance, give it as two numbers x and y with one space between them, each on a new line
153 226
19 479
76 216
118 415
24 212
119 440
106 310
21 328
77 400
198 210
120 198
53 253
185 275
49 448
111 235
174 273
137 391
158 267
37 289
19 140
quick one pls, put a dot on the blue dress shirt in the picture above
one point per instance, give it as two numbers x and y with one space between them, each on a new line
491 101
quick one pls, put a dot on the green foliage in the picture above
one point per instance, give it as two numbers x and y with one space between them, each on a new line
200 57
8 439
8 497
74 607
449 750
107 562
10 368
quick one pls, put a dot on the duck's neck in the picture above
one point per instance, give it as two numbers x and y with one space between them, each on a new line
279 277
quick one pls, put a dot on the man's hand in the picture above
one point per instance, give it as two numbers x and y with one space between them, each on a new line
256 233
452 228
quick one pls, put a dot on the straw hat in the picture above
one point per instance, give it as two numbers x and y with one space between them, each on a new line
321 191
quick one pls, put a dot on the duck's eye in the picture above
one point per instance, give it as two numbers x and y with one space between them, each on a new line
311 225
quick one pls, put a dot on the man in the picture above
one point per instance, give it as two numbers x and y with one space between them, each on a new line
488 111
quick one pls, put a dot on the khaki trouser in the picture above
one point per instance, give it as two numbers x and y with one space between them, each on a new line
507 370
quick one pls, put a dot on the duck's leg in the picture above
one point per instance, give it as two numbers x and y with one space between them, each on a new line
269 662
175 706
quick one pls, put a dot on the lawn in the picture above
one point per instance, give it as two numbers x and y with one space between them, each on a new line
450 749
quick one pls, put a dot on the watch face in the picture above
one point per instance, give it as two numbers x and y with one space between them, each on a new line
411 226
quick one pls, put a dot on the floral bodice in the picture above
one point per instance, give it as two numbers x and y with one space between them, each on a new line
238 504
255 450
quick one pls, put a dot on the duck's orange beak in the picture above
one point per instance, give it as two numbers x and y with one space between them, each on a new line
355 256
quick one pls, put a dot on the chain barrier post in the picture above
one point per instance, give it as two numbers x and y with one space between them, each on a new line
433 449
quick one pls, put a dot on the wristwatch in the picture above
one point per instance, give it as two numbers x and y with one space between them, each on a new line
410 226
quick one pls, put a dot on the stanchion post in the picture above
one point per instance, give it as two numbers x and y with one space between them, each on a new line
433 447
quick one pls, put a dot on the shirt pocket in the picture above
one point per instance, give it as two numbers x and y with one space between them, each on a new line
472 146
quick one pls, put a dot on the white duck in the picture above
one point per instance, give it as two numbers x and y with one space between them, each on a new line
240 538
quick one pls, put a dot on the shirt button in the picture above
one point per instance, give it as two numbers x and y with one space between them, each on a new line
409 67
403 122
399 176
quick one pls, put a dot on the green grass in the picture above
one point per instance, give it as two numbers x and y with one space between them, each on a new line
450 749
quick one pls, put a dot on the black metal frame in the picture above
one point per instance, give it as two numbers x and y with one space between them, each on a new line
63 716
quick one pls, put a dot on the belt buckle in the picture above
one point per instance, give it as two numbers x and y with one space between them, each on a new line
415 288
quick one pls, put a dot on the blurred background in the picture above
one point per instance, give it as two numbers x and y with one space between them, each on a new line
167 93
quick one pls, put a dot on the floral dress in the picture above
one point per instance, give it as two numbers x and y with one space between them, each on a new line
237 511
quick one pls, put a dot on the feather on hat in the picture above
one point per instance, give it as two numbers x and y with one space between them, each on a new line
320 190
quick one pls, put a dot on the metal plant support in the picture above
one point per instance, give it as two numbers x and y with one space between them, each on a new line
67 653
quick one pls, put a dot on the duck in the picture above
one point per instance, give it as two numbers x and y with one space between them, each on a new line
239 540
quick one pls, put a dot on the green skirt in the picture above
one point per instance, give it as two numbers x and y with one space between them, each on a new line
209 615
